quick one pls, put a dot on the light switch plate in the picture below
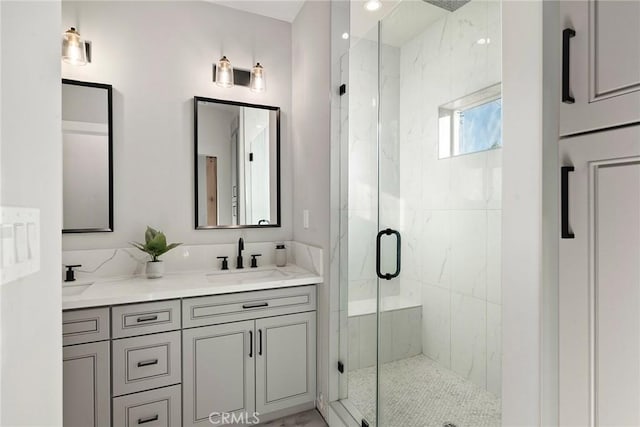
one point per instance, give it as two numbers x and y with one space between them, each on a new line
20 235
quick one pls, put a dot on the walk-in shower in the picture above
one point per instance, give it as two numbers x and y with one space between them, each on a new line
420 253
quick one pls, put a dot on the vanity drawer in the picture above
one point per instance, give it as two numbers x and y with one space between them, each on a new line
83 326
155 408
143 363
202 311
147 318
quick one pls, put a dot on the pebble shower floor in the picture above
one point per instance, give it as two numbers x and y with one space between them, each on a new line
417 392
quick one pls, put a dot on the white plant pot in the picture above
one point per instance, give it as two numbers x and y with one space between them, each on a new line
155 269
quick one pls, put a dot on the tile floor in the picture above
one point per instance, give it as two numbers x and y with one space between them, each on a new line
417 392
311 418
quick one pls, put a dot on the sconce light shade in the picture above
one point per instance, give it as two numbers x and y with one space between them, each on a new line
74 50
258 82
224 73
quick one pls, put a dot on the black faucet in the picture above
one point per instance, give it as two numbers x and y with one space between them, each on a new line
240 249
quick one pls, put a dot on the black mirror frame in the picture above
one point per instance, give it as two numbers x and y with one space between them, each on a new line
109 89
196 99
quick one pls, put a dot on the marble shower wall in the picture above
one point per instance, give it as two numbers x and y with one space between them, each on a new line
451 221
363 161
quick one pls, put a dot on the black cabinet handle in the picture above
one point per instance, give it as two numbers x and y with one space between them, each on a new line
256 305
250 343
148 419
387 232
567 34
147 363
564 202
260 337
147 318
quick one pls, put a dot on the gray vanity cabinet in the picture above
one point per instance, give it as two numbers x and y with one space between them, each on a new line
285 362
86 385
218 372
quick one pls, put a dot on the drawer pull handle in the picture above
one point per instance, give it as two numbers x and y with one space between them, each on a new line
148 419
147 318
147 363
567 35
256 305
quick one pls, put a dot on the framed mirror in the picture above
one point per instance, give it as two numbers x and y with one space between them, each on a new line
87 144
237 164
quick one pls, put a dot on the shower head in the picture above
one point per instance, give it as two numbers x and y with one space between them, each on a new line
449 5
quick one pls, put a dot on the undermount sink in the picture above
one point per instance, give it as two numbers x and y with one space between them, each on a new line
71 290
244 276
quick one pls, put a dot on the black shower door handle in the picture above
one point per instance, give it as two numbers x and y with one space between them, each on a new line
388 232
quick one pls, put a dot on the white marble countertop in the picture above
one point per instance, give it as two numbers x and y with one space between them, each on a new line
129 289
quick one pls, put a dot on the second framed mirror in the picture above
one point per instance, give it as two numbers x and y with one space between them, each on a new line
236 164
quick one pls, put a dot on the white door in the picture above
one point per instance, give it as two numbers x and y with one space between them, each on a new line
86 385
286 361
218 373
603 75
600 280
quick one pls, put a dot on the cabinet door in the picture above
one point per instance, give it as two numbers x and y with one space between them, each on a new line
218 372
86 385
604 65
286 361
599 292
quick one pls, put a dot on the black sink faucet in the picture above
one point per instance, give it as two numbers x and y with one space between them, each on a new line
240 249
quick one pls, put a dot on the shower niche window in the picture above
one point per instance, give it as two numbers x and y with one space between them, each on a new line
471 124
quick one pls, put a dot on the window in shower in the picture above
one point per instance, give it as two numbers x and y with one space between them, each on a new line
471 124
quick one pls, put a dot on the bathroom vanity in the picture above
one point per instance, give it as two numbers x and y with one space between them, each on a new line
190 347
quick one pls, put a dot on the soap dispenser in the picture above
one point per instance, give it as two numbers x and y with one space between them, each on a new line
281 255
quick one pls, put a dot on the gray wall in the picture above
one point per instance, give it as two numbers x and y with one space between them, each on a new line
157 56
31 165
311 151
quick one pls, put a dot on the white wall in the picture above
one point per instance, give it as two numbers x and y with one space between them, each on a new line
311 151
522 249
157 56
31 384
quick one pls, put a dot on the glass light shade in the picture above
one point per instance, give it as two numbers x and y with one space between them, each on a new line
73 48
258 83
372 5
224 73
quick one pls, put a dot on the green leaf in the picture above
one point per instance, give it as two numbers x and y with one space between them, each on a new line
150 234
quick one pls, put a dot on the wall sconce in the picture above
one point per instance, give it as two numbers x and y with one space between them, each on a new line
75 51
258 82
225 75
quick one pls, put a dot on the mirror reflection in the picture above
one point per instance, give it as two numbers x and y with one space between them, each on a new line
237 164
87 157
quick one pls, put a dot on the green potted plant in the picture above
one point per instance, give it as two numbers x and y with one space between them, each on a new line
155 245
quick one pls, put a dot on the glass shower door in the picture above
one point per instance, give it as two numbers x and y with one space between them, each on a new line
421 171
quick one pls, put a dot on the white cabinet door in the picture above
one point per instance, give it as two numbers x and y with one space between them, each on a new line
286 361
600 281
604 64
218 373
86 385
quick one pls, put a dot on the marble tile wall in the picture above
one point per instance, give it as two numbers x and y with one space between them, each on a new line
452 220
363 196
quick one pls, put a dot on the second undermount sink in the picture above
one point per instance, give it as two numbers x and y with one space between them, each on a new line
71 290
246 276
